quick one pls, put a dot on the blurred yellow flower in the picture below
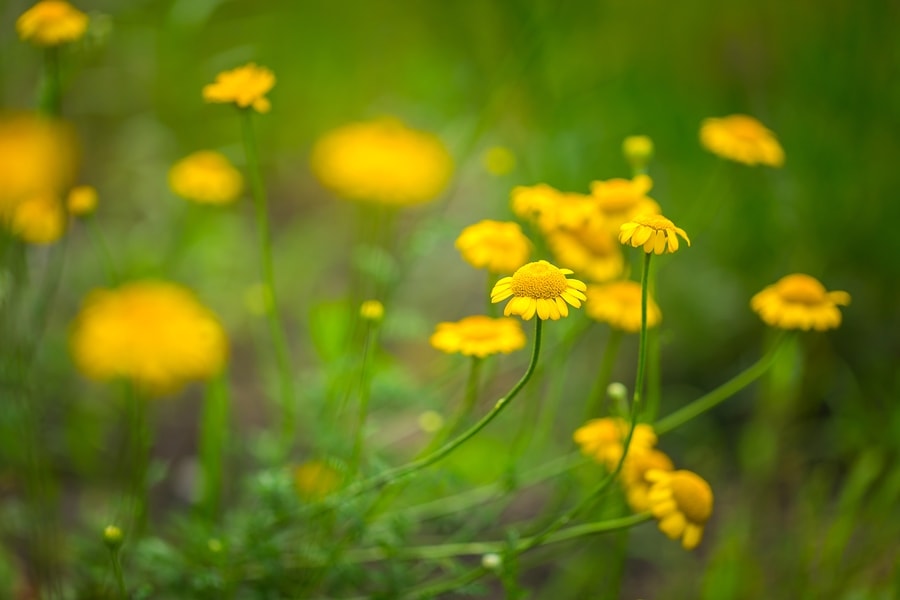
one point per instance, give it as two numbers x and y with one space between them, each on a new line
799 301
82 200
383 162
655 233
153 333
206 177
551 209
682 501
371 310
315 479
479 336
634 471
619 304
245 86
638 150
603 439
51 22
540 288
620 200
499 247
590 250
498 160
38 219
743 139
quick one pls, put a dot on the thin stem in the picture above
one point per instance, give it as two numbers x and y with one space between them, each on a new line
99 241
642 344
721 393
597 398
464 409
365 389
279 343
117 572
140 463
50 101
213 436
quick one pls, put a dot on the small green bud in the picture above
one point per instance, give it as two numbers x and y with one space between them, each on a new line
112 537
491 561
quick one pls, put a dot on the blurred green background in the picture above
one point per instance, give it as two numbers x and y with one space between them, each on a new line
804 466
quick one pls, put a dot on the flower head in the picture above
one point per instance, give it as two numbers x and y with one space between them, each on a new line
51 23
634 475
620 200
541 288
206 177
499 247
551 209
603 439
799 301
498 160
82 200
590 249
371 310
638 150
383 162
742 139
619 304
154 333
682 502
315 479
38 219
479 336
654 232
245 86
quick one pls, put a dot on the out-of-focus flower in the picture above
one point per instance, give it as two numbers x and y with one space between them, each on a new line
315 479
38 219
499 247
82 200
551 209
590 250
743 139
51 23
244 86
800 301
112 536
655 233
382 162
431 421
498 160
206 177
154 333
603 439
479 336
638 150
633 476
619 304
682 501
371 310
539 288
620 200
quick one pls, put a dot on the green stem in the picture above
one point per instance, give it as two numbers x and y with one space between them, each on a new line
464 409
99 241
721 393
597 398
117 571
213 441
279 343
642 344
140 463
50 101
365 392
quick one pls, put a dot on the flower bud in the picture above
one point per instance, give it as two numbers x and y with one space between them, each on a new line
112 537
638 150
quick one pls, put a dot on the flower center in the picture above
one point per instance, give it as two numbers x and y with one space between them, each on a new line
657 222
745 128
538 280
801 289
693 496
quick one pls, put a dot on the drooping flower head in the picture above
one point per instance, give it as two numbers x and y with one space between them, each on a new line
206 177
603 439
682 501
620 200
479 336
743 139
244 86
539 288
799 301
634 475
82 200
591 250
655 233
499 247
153 333
51 23
619 304
382 162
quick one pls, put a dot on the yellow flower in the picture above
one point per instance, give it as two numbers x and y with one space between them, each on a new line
682 502
39 219
551 209
479 336
493 245
590 250
603 439
620 200
638 150
315 479
654 232
371 310
245 86
799 301
619 304
206 177
743 139
541 288
51 22
154 333
634 470
498 160
383 162
82 200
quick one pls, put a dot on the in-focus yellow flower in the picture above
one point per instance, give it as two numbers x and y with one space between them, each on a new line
479 336
82 200
682 501
620 200
634 470
743 139
206 177
619 304
590 250
39 219
799 301
371 310
315 479
245 86
383 162
153 333
499 247
551 209
498 160
603 439
654 232
638 150
51 22
540 288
